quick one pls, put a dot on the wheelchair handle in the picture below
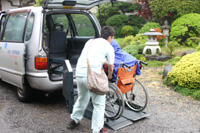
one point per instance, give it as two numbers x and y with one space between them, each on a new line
142 62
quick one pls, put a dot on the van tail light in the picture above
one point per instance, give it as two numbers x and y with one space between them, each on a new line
41 63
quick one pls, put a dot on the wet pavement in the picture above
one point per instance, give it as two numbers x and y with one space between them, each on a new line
169 111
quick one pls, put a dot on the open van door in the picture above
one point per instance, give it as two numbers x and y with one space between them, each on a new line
78 4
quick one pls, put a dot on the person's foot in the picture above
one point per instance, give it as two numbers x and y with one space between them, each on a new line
103 130
72 124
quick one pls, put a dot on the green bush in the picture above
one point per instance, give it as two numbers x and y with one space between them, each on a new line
142 59
127 30
117 20
193 41
186 72
138 56
131 49
171 46
120 41
140 38
198 47
135 30
136 21
148 26
185 27
129 40
118 32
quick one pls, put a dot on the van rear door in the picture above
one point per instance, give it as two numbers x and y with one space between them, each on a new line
78 4
12 47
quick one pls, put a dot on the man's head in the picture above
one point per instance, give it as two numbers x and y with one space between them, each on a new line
108 33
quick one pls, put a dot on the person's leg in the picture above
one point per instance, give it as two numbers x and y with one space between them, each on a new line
98 102
82 101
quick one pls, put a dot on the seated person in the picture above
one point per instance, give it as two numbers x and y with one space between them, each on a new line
123 57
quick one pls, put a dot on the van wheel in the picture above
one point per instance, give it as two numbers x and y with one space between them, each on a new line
24 94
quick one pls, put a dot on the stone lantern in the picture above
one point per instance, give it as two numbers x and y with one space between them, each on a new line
166 28
152 43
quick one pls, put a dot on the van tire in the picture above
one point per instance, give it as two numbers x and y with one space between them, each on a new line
24 94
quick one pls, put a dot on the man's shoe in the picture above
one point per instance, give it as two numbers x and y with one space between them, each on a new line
103 130
72 124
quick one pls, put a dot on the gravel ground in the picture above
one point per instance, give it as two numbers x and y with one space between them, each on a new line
169 111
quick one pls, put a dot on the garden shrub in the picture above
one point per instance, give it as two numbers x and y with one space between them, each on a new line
118 32
127 30
171 46
135 30
186 72
131 49
136 21
198 47
185 27
117 20
148 26
129 40
140 38
120 41
138 56
193 41
142 59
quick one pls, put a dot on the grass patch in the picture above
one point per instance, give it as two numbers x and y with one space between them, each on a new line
194 93
160 72
152 63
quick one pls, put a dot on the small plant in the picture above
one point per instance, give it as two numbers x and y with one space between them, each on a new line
198 47
142 59
171 46
131 49
193 41
160 72
127 30
148 26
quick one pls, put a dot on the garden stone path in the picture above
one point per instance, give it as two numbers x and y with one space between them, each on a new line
169 111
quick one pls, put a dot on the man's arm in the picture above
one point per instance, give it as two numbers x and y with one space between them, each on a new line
110 71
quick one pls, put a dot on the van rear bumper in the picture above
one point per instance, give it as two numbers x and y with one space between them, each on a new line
41 81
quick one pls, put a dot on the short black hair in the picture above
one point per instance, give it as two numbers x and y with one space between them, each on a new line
107 31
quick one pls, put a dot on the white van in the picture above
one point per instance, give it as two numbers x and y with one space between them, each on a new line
31 37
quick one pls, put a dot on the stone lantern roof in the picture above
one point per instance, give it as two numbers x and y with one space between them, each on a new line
152 32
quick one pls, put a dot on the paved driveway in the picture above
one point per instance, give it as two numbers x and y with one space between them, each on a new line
169 111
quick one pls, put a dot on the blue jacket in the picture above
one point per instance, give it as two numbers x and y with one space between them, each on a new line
122 56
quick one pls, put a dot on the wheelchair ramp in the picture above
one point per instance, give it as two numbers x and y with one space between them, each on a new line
128 118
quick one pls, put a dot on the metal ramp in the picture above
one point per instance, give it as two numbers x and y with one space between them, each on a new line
128 117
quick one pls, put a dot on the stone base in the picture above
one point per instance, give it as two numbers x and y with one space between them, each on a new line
158 58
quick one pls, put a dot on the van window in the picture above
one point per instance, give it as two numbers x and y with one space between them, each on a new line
84 26
14 29
29 28
61 19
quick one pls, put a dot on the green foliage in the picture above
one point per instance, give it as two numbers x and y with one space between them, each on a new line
171 46
172 61
136 21
153 63
138 56
195 93
129 40
148 26
193 41
107 10
131 49
117 20
120 41
38 2
186 72
185 27
198 47
127 30
173 9
140 39
142 59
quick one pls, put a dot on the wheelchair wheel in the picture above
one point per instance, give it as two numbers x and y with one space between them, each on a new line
114 102
137 99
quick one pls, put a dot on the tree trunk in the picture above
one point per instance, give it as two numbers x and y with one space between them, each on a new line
0 6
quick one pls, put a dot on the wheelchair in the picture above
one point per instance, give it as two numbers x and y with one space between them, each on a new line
126 90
